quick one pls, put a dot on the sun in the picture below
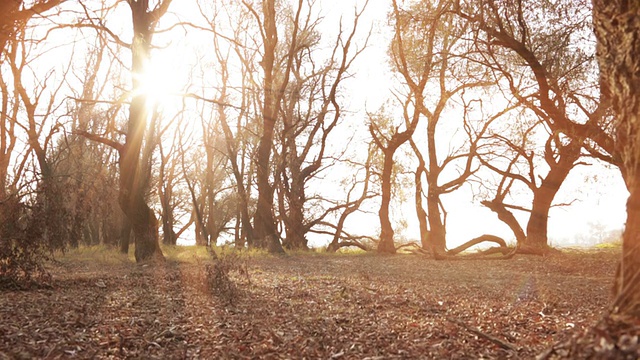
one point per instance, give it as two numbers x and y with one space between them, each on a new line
167 73
160 82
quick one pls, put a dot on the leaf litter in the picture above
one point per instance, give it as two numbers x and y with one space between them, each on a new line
309 306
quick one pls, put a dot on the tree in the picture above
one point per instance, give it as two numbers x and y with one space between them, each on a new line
14 16
299 109
239 143
168 189
207 180
423 72
53 218
428 52
89 167
236 124
26 204
132 178
388 146
274 82
358 192
532 49
617 28
559 154
311 113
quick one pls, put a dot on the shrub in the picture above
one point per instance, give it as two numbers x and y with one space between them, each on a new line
21 251
219 276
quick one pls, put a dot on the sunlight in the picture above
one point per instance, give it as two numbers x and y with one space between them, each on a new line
162 81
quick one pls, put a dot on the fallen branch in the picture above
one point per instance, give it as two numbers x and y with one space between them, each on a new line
501 343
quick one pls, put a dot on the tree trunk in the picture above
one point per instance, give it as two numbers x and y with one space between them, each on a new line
202 235
437 234
437 240
537 236
238 240
169 236
386 244
617 28
422 218
132 179
125 236
243 221
264 224
294 217
627 284
539 218
296 239
422 214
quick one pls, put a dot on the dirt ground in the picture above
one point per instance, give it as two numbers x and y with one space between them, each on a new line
308 306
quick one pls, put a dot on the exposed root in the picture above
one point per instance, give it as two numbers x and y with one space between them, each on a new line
537 250
480 239
454 254
333 247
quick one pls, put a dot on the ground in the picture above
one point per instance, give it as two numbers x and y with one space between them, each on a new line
318 306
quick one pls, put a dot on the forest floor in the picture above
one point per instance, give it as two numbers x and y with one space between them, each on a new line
315 306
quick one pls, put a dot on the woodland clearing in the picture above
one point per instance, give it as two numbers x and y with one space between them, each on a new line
102 305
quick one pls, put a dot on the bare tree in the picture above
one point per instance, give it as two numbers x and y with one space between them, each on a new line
231 128
132 182
15 14
169 183
423 72
310 114
134 159
425 52
274 83
555 79
297 101
24 232
358 192
90 167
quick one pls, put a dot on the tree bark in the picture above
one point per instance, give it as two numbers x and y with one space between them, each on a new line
295 226
125 235
421 213
437 241
617 28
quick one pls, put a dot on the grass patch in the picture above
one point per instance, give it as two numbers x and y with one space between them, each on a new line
609 245
102 254
98 253
185 254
